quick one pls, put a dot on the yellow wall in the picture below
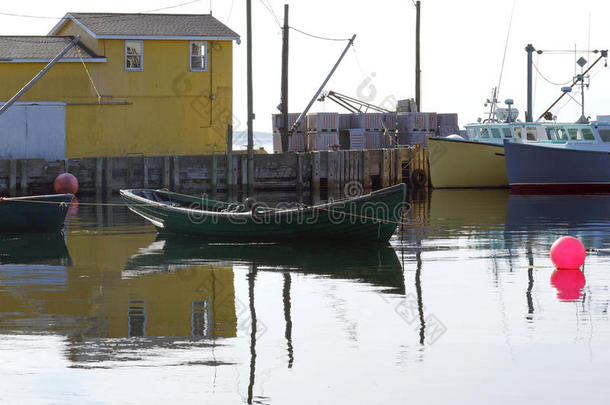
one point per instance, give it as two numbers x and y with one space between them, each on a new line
171 110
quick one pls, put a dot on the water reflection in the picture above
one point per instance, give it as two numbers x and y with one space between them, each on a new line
377 265
468 273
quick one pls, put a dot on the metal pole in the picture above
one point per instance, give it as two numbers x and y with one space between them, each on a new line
250 112
304 113
417 58
528 114
284 100
39 75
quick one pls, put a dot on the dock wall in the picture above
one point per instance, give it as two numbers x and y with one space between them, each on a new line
326 172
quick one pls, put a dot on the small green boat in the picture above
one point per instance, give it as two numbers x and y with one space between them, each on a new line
41 213
368 218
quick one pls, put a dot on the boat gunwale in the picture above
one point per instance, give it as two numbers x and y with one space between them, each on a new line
555 148
129 193
441 139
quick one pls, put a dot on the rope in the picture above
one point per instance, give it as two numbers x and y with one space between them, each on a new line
99 97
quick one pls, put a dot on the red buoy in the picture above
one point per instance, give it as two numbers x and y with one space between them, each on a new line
569 284
65 183
568 252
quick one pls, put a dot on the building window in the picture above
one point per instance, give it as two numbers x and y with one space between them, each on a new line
134 56
198 55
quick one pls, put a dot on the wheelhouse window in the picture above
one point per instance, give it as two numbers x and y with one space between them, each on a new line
587 134
518 133
133 55
506 132
495 133
484 133
604 134
472 133
531 133
198 52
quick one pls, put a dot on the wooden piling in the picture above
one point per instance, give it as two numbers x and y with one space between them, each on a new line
12 178
176 173
315 175
99 174
108 175
166 172
23 177
235 172
214 183
366 170
385 168
145 172
398 165
299 187
244 173
330 174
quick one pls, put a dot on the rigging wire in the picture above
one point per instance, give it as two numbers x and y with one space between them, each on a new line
318 36
174 6
108 15
230 12
510 23
547 80
269 8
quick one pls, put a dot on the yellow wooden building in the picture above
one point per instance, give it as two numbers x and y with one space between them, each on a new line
136 84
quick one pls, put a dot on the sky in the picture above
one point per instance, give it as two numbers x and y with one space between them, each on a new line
462 50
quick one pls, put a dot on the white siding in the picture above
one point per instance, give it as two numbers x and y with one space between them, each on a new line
33 130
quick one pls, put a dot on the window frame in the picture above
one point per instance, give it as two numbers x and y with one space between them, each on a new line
141 68
205 56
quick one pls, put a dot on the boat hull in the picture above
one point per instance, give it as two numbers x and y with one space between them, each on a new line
465 164
538 168
371 218
44 213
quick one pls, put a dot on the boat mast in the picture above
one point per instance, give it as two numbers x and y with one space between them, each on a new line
314 98
25 88
284 101
417 58
250 112
528 114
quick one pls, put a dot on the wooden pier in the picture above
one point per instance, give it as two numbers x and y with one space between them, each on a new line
321 174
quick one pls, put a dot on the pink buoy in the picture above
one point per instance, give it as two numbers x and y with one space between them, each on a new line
65 183
569 284
568 252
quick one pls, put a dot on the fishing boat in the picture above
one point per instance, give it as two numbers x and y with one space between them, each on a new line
41 213
371 217
479 161
575 159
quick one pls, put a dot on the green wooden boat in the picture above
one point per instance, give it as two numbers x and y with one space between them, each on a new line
41 213
368 218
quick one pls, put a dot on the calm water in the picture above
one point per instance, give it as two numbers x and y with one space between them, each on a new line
463 307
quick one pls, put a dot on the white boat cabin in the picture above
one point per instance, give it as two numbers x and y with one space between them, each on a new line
597 132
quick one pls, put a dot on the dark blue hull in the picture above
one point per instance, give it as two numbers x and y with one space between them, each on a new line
539 168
